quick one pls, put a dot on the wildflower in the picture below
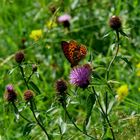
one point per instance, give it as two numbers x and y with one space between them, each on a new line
19 57
10 94
34 67
28 95
115 22
80 76
122 92
36 34
9 88
65 20
61 88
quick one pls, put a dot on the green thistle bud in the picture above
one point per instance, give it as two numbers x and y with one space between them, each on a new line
34 67
10 94
19 57
28 95
115 22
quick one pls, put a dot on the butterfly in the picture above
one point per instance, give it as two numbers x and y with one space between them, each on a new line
73 52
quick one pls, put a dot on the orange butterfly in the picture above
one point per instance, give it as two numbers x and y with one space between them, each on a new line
73 52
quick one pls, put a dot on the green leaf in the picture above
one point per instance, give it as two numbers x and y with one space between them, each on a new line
108 138
34 87
104 125
123 33
27 129
126 60
90 102
11 71
107 34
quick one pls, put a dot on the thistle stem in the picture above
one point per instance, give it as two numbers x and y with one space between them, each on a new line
16 110
30 77
23 76
104 114
70 118
113 59
38 122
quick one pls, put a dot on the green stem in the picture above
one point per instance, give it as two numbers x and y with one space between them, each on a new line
38 122
30 77
106 102
16 110
113 59
104 114
23 76
64 107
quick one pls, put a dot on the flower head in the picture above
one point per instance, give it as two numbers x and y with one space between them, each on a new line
9 88
36 34
28 95
34 67
19 57
122 92
10 94
80 76
65 20
115 22
61 88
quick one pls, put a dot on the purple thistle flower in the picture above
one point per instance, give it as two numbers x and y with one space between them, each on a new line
9 88
10 95
80 76
64 18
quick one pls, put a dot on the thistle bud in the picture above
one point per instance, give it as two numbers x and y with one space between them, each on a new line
34 67
61 86
115 22
28 95
65 20
52 8
9 88
10 94
19 57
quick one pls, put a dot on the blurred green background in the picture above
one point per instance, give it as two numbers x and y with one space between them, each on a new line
88 26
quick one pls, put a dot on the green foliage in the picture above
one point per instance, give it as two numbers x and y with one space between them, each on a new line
88 111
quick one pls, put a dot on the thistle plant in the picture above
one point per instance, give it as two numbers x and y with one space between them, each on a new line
11 95
80 86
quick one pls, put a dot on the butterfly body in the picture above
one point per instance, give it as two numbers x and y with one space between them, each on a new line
73 51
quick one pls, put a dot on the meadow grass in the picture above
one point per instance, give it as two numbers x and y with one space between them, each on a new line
89 25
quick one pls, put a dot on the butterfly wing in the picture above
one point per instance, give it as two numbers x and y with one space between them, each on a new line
65 48
83 51
73 52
